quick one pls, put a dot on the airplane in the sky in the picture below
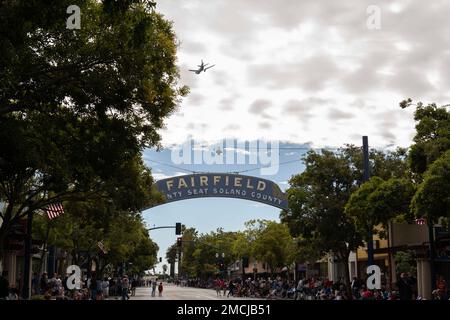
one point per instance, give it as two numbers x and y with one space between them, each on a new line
202 67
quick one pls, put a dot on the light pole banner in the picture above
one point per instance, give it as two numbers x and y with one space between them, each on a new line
222 185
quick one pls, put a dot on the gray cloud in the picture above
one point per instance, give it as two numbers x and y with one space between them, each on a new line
220 78
299 109
264 125
386 123
422 26
312 74
190 126
388 135
343 55
197 125
226 108
304 109
259 106
193 47
195 99
410 83
232 127
444 71
228 103
188 78
359 104
336 115
355 136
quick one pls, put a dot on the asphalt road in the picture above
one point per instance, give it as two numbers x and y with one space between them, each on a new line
172 292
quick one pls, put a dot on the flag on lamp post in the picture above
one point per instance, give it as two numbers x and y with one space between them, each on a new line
54 210
101 246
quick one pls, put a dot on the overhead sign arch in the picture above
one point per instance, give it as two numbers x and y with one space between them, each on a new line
227 185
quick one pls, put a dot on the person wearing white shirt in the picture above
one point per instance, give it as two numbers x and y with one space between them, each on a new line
105 287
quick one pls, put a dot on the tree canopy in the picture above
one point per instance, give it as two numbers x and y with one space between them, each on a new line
77 107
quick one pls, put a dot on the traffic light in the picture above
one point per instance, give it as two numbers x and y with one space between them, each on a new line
178 228
160 259
179 242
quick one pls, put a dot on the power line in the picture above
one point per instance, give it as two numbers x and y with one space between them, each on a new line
280 164
194 172
172 166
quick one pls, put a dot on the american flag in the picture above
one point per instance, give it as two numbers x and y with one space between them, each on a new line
54 210
421 221
102 247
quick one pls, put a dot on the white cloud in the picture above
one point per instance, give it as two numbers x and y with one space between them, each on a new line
160 175
311 68
238 151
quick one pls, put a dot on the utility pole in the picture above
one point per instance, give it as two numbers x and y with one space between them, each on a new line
179 249
27 262
179 263
366 176
432 253
177 227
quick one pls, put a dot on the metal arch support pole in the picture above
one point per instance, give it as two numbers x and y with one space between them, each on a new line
366 176
165 227
27 258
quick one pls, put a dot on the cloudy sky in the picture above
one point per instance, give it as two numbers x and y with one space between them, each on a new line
302 72
308 71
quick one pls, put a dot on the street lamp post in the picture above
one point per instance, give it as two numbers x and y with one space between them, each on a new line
221 263
27 256
366 177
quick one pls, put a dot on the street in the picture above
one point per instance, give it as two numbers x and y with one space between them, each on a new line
173 292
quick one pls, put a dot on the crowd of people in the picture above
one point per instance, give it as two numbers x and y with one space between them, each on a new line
313 288
91 288
259 288
316 288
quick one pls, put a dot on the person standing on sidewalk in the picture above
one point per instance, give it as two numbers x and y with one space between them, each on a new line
153 288
217 286
43 283
4 286
134 284
224 288
404 287
125 287
105 287
160 289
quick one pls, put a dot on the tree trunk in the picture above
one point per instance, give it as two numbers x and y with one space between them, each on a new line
44 249
348 288
4 228
2 248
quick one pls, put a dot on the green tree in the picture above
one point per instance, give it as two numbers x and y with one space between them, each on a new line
432 137
428 160
82 161
84 224
432 198
77 106
273 245
376 202
405 262
188 265
144 255
172 257
214 252
121 61
317 198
